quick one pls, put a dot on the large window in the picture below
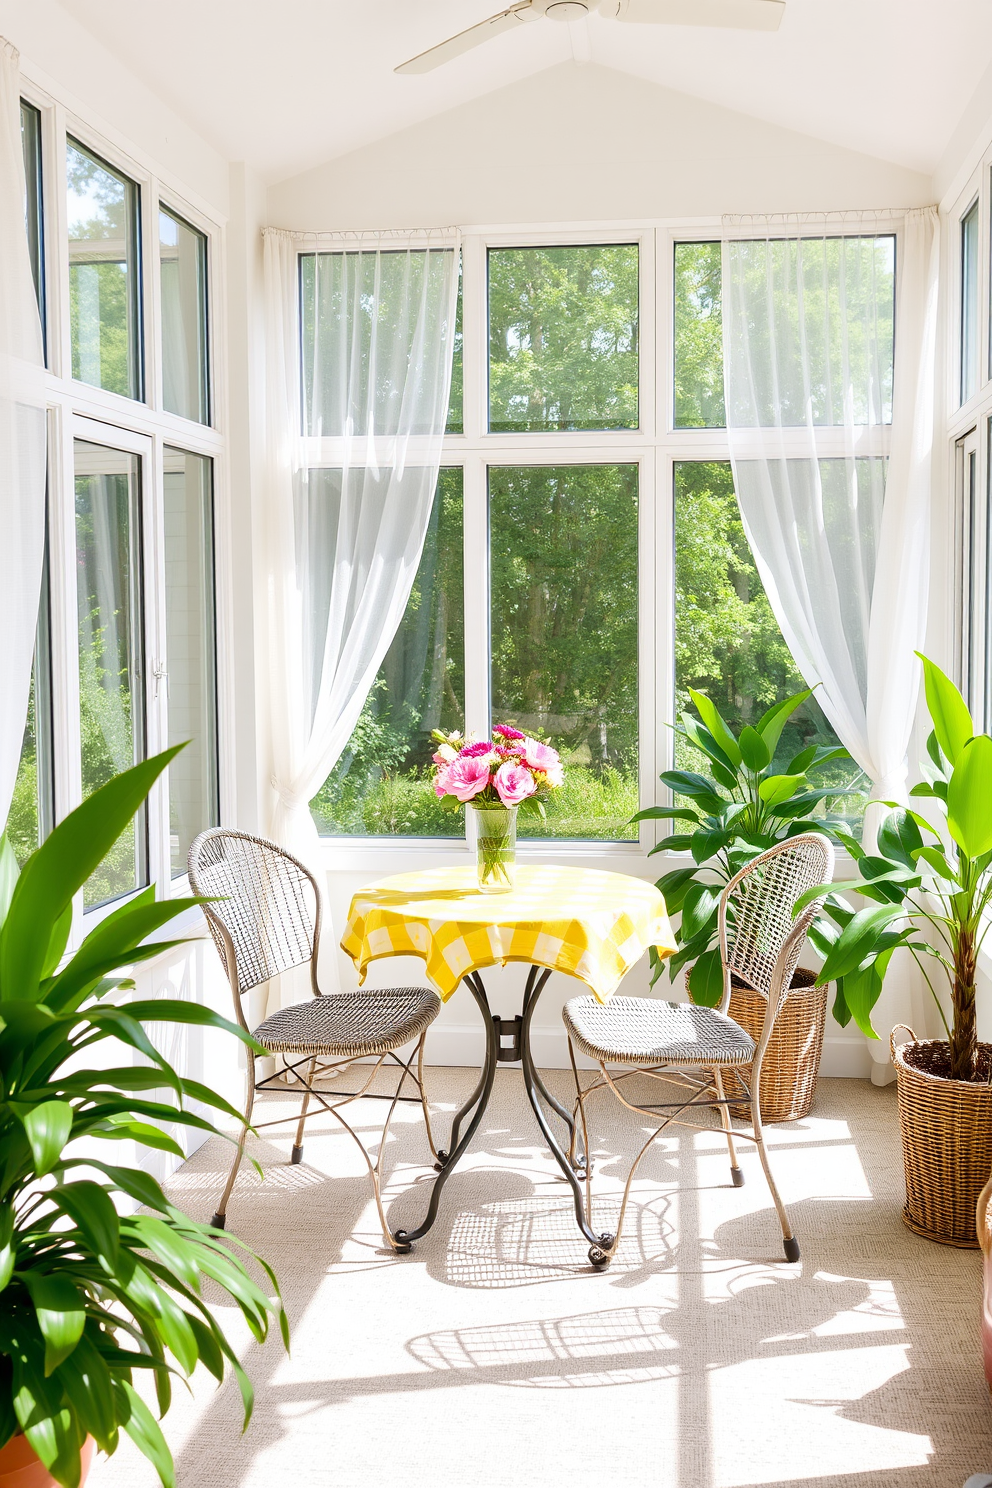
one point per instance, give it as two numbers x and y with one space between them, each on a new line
32 808
970 224
191 650
104 274
183 272
111 663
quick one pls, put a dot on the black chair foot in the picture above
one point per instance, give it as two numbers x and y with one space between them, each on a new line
219 1221
738 1177
791 1247
442 1162
297 1154
401 1245
601 1255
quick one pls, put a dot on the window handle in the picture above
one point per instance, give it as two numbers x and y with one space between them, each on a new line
160 673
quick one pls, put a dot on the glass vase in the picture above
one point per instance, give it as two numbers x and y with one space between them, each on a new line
496 848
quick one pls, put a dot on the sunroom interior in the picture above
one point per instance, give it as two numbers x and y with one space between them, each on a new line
602 371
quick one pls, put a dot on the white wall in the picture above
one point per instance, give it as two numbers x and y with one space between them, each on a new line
586 143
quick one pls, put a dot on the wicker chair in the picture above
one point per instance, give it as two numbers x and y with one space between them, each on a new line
266 920
687 1046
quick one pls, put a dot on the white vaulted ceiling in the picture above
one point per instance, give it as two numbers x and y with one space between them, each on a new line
287 86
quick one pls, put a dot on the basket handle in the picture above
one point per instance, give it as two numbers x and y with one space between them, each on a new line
892 1038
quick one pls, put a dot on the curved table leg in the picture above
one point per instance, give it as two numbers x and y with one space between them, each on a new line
532 992
480 1099
535 1087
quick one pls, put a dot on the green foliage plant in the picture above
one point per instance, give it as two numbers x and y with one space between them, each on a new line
929 888
745 805
88 1295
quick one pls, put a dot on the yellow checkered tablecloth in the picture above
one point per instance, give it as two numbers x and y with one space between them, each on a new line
590 924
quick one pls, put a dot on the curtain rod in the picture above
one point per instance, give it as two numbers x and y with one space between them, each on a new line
447 235
849 214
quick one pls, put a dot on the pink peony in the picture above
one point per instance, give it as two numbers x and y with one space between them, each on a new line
464 779
543 757
441 782
513 784
508 733
475 751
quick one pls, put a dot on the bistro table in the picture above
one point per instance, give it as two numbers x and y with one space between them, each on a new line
589 924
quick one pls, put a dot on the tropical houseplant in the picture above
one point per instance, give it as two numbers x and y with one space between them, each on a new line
89 1295
929 889
749 801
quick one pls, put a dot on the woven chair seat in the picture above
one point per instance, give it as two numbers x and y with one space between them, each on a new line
349 1025
643 1030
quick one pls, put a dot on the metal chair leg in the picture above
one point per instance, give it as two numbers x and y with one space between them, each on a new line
789 1242
736 1173
219 1220
297 1154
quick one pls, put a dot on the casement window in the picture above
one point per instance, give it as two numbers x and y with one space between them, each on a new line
969 357
126 656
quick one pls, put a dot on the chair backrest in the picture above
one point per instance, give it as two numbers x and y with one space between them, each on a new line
760 940
268 910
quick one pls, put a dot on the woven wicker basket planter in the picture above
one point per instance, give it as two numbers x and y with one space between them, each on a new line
792 1059
946 1128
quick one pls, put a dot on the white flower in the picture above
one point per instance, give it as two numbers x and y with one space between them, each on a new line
447 753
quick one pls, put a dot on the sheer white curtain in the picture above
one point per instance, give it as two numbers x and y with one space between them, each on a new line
22 437
360 335
831 455
831 451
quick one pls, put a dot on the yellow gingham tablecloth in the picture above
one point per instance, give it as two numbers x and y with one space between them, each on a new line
590 924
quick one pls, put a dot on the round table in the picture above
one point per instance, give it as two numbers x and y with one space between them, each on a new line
590 924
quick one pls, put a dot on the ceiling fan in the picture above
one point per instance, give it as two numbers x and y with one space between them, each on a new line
742 15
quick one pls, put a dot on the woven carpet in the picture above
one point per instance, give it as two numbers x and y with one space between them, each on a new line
494 1356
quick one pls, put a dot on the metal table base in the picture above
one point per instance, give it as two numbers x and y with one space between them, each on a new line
517 1050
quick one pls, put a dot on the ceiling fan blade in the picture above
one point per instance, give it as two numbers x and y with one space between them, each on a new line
743 15
445 51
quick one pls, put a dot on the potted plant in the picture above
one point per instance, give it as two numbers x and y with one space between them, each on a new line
747 803
88 1295
930 889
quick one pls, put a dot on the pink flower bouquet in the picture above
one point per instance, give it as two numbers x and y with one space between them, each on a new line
495 776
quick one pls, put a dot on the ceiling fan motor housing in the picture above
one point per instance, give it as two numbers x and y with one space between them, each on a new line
567 10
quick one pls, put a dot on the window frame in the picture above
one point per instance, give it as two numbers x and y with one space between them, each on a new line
76 409
656 446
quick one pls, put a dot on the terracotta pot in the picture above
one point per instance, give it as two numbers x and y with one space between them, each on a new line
20 1466
985 1241
946 1128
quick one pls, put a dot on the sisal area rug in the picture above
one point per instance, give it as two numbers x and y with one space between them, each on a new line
493 1355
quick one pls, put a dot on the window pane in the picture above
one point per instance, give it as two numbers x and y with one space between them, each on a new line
191 649
456 403
563 338
353 305
969 303
183 267
32 808
108 589
380 785
563 546
698 336
103 274
34 221
727 641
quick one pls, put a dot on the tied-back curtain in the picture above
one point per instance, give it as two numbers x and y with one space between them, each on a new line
22 437
829 346
360 336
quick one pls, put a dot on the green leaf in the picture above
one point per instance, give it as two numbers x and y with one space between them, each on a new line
969 797
677 842
666 813
951 720
143 1429
714 721
690 783
856 941
757 756
936 860
862 989
60 867
8 1245
705 845
47 1127
141 1132
841 1011
61 1313
706 744
9 873
673 885
778 788
705 980
90 1208
899 838
699 908
807 897
771 724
